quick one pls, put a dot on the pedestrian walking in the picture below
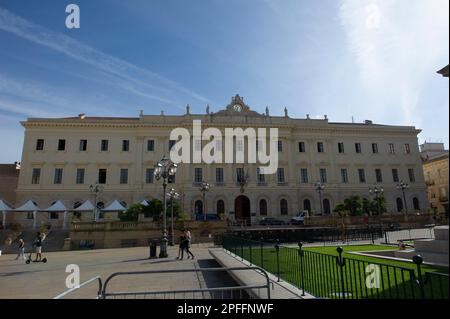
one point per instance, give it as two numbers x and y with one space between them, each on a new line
188 240
38 245
21 250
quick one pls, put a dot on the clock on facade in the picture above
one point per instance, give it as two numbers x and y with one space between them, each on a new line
237 107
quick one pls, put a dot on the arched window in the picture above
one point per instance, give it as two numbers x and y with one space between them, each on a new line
76 204
399 204
416 203
307 205
198 207
263 207
220 207
283 207
326 207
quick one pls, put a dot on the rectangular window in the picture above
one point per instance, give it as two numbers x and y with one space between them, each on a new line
80 176
61 145
219 145
280 175
54 215
239 145
198 175
412 178
239 175
261 178
125 145
304 176
151 145
374 148
320 147
407 149
172 143
395 175
83 145
378 175
102 176
358 149
123 176
30 215
391 148
149 175
171 179
301 147
219 175
40 145
362 175
36 176
104 145
58 176
341 147
280 146
323 175
344 175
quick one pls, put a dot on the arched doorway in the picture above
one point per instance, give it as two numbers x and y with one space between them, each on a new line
416 203
399 204
198 207
326 207
307 205
242 209
220 209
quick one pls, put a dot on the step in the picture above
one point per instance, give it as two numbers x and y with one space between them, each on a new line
441 232
406 254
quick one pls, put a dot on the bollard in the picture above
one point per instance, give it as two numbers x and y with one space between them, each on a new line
302 278
418 260
277 249
341 264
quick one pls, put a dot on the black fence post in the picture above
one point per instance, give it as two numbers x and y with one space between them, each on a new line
277 249
302 278
341 263
418 260
262 250
242 249
250 246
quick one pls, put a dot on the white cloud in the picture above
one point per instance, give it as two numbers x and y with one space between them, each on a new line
135 79
397 45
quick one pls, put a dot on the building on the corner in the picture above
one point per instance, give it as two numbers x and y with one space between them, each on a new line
63 156
9 178
435 168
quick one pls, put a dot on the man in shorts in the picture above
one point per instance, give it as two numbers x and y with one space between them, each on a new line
38 245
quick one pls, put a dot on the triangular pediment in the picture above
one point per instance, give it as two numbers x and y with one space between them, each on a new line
238 107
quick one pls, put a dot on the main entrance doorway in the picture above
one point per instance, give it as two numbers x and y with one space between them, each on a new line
242 210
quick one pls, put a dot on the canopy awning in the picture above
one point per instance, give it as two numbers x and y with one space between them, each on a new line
115 206
144 202
85 207
4 206
57 206
29 206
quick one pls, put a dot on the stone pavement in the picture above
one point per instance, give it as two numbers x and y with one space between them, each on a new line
39 280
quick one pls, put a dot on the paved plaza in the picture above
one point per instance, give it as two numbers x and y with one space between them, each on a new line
39 280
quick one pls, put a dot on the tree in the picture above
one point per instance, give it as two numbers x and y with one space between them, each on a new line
378 204
341 210
353 205
132 213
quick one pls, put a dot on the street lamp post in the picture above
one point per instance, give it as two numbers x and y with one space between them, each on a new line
95 190
319 188
164 169
204 188
172 195
377 190
243 180
403 186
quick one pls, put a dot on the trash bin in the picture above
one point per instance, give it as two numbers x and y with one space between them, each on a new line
153 244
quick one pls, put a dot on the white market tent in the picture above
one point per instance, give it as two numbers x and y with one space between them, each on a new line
144 202
4 209
85 207
58 206
29 206
115 206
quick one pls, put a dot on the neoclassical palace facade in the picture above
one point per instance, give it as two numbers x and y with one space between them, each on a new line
62 157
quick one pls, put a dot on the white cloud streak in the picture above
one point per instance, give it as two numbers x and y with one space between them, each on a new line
128 76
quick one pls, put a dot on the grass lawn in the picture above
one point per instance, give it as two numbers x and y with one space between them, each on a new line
319 273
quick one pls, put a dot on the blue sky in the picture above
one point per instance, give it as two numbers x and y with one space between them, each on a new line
370 59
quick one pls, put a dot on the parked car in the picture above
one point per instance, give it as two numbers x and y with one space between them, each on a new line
208 217
299 219
271 221
395 226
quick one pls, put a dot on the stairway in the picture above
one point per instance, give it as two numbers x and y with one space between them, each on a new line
434 251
